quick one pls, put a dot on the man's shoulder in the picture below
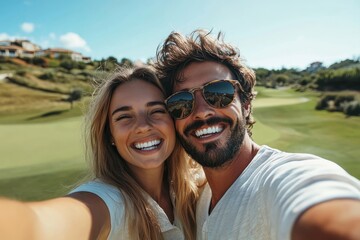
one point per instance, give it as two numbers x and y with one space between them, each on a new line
273 165
272 156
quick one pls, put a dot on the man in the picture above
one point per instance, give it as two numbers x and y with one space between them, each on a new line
253 192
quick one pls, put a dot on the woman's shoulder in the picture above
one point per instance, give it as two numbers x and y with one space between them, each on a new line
110 194
112 197
105 191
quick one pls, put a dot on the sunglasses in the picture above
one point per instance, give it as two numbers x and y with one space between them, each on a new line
217 93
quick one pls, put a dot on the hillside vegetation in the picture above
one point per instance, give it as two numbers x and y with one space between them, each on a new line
338 84
46 83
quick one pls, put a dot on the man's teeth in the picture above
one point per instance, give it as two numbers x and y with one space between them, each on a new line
147 145
209 130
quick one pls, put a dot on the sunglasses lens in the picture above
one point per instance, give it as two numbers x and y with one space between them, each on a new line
180 105
219 94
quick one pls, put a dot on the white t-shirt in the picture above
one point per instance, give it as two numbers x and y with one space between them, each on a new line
114 201
265 200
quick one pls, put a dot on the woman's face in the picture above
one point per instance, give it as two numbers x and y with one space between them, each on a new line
141 128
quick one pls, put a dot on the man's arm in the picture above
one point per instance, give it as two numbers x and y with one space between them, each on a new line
335 219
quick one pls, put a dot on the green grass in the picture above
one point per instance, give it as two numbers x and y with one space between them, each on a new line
41 156
23 145
299 128
42 185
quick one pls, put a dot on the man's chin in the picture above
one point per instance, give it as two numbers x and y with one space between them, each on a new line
215 154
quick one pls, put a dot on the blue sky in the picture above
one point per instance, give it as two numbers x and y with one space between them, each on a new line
271 34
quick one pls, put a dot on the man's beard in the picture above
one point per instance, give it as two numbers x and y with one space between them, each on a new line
215 156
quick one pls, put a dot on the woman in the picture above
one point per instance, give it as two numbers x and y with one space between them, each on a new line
143 185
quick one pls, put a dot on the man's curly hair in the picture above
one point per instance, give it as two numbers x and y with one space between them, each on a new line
178 51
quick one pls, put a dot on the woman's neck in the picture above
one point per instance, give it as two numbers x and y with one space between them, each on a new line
150 180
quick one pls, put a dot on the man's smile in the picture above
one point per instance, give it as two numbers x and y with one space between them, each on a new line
208 131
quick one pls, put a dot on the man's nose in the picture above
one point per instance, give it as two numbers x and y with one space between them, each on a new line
202 109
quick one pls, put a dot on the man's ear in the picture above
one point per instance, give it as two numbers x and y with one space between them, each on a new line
247 108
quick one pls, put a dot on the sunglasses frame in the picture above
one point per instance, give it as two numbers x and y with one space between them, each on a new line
191 91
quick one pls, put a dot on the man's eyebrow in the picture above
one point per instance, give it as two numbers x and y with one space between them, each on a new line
124 108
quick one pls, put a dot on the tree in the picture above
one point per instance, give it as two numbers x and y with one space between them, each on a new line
125 62
75 95
112 59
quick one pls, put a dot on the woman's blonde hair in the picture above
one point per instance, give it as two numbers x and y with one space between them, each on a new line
110 167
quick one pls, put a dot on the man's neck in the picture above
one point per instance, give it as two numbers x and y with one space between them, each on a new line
221 179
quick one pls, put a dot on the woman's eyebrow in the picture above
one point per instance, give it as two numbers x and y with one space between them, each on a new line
150 104
124 108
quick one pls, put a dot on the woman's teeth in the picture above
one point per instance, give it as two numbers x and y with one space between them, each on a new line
150 145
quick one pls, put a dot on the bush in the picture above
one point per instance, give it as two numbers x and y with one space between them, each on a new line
27 60
85 74
352 108
3 59
47 76
53 63
39 61
340 99
21 73
67 64
81 65
323 103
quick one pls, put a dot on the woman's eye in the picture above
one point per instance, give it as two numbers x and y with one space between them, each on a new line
158 111
122 117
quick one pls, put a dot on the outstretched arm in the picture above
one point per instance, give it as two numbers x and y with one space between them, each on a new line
81 215
335 219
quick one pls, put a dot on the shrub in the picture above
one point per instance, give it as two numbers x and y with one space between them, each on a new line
81 65
352 108
67 64
53 63
47 76
39 61
323 103
340 99
3 59
21 73
85 74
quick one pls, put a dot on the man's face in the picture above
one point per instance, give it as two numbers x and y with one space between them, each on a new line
211 136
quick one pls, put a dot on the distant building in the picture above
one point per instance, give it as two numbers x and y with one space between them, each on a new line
25 48
57 52
86 59
18 48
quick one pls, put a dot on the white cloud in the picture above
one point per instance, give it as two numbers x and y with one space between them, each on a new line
4 36
27 27
73 40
